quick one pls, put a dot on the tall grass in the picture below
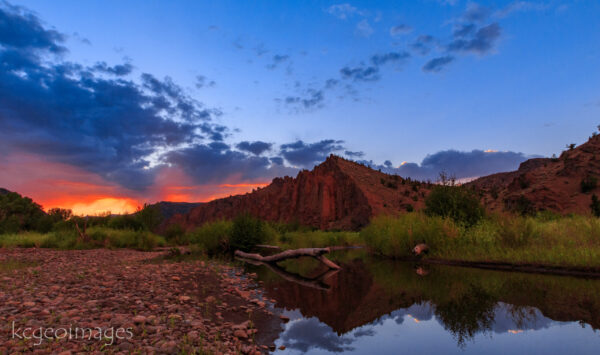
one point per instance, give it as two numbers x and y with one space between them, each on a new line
317 239
396 236
101 236
564 241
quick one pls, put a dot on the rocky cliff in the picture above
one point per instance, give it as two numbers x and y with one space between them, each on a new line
337 194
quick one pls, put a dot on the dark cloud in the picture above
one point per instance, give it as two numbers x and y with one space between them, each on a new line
256 147
362 73
312 99
460 164
308 154
22 30
354 155
437 64
390 57
208 164
276 160
277 60
481 42
422 45
109 126
202 81
400 30
118 70
464 30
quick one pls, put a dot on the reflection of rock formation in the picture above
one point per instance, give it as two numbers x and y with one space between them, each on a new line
351 301
466 302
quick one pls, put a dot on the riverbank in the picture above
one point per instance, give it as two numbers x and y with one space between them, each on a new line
161 306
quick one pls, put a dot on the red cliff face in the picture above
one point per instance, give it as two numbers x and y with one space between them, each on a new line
337 194
544 183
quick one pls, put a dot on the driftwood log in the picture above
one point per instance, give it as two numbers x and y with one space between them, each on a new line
316 253
314 282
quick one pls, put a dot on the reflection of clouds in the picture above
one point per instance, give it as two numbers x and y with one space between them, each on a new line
509 318
364 332
419 311
305 334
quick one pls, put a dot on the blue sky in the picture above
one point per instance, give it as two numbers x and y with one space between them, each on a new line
395 80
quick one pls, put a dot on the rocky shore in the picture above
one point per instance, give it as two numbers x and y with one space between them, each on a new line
125 301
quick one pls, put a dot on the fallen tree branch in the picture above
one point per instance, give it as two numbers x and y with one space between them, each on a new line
316 282
316 253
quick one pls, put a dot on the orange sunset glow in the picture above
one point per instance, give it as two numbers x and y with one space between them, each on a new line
59 185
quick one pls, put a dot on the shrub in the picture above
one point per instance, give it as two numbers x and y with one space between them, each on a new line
175 233
588 184
125 222
522 205
247 232
454 202
214 238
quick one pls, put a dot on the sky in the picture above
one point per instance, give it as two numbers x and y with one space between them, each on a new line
106 105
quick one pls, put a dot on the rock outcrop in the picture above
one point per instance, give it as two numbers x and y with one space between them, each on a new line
337 194
553 184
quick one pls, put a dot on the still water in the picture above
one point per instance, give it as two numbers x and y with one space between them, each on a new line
375 306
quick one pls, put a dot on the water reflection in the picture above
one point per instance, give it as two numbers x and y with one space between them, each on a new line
383 306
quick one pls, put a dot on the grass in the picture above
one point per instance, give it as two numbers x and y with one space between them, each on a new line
115 238
545 239
13 264
572 241
23 240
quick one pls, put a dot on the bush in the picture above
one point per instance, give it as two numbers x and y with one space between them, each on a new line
247 232
588 184
522 205
175 233
214 238
454 202
125 222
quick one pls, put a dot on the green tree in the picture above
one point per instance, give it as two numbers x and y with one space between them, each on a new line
456 202
149 216
247 232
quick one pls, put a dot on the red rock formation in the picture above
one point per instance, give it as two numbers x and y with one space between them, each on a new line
545 183
337 194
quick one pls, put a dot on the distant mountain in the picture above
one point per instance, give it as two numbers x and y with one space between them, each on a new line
3 191
170 209
564 184
337 194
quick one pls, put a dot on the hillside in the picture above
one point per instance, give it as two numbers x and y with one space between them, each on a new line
337 194
546 183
